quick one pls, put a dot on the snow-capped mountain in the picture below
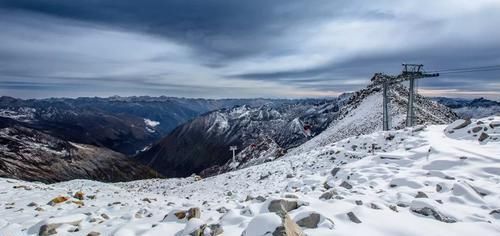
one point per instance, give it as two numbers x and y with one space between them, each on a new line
204 141
123 124
427 180
467 108
33 155
265 133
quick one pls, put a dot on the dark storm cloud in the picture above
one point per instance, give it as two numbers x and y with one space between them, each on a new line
222 28
221 48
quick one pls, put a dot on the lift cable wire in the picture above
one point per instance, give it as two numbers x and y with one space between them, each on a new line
466 70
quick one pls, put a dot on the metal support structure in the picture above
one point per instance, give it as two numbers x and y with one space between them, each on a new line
411 72
385 105
233 148
410 112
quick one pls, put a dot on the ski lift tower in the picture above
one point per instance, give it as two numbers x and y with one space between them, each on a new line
412 72
233 148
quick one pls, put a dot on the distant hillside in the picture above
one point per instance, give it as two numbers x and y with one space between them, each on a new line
123 124
32 155
471 108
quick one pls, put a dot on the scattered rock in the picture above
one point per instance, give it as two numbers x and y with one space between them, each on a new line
93 233
346 185
462 124
282 205
313 220
328 195
353 217
222 210
79 195
426 207
374 206
215 229
394 208
483 137
335 171
439 188
289 195
421 195
57 200
477 129
32 204
359 202
104 216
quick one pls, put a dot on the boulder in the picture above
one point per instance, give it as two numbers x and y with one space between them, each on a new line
346 185
483 136
421 195
335 171
215 229
182 215
353 217
462 123
282 205
427 207
79 195
313 220
57 200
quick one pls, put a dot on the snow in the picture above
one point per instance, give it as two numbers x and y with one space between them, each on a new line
404 182
263 224
150 125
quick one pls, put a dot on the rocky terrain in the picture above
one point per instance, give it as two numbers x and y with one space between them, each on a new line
29 154
428 180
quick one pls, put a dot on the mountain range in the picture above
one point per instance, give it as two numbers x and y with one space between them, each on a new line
177 137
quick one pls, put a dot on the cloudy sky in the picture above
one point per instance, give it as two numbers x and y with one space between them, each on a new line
231 48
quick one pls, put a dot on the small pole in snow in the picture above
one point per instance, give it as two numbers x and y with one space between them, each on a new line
233 148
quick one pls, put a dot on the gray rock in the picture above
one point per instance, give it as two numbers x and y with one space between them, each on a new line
328 195
427 211
463 124
346 185
421 195
335 171
282 205
50 229
353 217
477 129
93 233
438 188
359 202
310 221
483 137
215 229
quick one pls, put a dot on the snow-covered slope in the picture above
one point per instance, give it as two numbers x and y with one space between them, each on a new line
422 181
204 141
363 115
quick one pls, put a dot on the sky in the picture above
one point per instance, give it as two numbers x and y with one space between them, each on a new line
229 48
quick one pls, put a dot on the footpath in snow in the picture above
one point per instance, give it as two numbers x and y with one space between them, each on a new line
434 180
